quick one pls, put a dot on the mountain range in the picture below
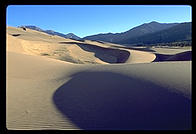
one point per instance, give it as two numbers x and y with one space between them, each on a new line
51 32
177 33
147 33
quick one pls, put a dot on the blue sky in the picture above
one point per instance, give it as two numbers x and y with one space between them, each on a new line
84 20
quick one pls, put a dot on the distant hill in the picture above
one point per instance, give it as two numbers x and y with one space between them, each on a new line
177 33
51 32
72 36
145 34
33 28
141 30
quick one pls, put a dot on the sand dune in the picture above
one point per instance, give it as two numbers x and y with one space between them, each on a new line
115 101
170 50
92 52
184 56
109 55
50 94
48 91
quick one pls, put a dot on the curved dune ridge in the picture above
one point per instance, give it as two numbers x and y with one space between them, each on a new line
183 56
64 84
127 104
38 43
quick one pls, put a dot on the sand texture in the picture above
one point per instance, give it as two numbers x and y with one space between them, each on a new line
63 84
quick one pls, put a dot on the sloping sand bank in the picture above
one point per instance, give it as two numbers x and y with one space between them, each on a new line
44 93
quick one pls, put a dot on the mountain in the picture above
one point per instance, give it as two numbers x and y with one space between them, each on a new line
33 28
177 33
69 35
72 36
141 30
147 33
51 32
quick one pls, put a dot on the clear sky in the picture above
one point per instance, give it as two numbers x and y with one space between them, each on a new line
84 20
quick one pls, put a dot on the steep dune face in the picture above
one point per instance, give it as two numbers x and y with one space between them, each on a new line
187 55
106 54
173 54
140 57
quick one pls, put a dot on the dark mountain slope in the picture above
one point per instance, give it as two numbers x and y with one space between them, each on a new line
141 30
180 32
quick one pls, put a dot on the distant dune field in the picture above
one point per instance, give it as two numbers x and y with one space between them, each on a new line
62 84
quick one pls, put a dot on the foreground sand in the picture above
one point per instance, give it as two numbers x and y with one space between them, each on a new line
44 92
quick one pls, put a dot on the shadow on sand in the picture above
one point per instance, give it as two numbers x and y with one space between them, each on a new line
183 56
15 35
109 55
111 101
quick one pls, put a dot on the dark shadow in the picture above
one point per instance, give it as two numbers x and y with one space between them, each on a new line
81 40
111 101
109 55
15 35
183 56
161 57
63 42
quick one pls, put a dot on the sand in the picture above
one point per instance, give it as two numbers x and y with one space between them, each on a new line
32 42
80 88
